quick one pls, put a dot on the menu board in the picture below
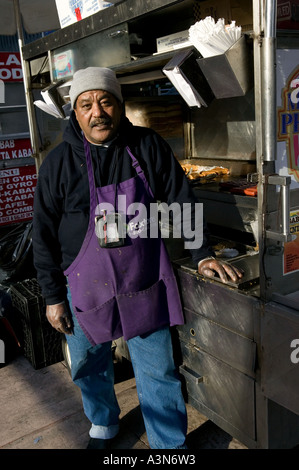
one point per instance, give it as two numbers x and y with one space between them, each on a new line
17 187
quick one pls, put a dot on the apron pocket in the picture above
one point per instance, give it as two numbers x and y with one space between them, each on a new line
100 324
143 311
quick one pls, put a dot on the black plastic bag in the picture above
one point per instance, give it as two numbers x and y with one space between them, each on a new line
16 258
10 329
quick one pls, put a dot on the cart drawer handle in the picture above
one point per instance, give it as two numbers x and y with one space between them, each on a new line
191 375
284 182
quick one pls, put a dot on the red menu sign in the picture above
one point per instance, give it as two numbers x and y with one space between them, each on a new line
17 187
15 148
10 67
287 14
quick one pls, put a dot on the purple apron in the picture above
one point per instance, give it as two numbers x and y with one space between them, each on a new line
127 290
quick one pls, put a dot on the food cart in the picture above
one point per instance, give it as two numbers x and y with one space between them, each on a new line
238 352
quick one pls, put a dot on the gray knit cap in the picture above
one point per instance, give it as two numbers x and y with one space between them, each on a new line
94 78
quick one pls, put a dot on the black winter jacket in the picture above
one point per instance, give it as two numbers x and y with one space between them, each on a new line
61 202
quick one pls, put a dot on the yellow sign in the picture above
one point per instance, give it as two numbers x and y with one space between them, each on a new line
288 121
291 249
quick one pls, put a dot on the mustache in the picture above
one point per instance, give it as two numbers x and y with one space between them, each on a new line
101 121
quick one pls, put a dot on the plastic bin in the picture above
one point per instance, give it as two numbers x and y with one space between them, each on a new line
42 344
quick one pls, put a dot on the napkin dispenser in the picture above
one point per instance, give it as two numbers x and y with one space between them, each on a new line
182 70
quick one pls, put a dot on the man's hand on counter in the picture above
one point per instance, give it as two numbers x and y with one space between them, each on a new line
59 318
211 267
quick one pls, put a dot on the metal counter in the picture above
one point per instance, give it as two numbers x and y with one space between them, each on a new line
229 360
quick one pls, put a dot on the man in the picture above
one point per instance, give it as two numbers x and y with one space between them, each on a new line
102 281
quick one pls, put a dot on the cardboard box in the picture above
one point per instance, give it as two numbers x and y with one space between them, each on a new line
173 41
71 11
215 9
231 10
242 13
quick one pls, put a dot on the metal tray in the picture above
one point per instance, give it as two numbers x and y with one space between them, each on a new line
249 263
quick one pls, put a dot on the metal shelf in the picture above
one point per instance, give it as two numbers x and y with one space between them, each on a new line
144 64
104 19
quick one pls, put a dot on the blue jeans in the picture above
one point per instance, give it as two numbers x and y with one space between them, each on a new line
158 386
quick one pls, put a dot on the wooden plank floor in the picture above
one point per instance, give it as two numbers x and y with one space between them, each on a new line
42 409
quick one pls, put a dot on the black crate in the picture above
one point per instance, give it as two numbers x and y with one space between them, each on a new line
41 343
